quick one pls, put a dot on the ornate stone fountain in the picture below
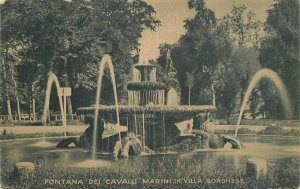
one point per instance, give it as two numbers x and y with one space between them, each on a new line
147 114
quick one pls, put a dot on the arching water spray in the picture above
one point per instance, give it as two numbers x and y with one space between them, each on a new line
53 79
273 76
105 61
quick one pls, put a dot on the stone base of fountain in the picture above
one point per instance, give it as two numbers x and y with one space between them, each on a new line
129 145
132 145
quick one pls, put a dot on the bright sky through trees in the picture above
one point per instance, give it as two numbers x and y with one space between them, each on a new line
172 13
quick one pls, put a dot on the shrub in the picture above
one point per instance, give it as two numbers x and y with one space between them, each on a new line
273 130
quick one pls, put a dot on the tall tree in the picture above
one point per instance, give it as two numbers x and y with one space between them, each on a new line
9 61
204 45
190 80
243 27
232 78
69 39
280 49
245 33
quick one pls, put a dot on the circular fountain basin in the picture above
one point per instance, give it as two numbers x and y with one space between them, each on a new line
271 148
176 113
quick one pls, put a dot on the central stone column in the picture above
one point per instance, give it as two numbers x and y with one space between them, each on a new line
145 90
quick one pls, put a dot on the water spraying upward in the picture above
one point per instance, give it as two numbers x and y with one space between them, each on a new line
53 79
273 76
105 61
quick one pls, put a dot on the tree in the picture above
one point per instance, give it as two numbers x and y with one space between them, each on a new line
69 39
243 27
231 78
280 51
190 80
9 61
204 45
222 55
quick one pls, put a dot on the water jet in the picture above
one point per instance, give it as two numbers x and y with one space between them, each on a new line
53 79
272 76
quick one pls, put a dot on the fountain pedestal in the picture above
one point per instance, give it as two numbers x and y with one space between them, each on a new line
147 115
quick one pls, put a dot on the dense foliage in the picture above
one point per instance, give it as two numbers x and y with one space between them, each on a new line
68 38
212 63
216 59
280 52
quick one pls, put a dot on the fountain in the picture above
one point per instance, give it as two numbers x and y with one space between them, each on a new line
146 115
273 76
53 79
105 61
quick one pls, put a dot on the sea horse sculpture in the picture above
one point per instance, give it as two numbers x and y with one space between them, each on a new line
199 139
130 144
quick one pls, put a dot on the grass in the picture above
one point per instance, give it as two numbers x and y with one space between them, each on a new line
270 130
263 122
39 123
283 175
11 136
241 131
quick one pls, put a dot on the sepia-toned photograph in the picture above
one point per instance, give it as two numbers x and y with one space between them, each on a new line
159 94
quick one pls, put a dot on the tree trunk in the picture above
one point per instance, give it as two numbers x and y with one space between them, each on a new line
18 108
10 118
213 95
33 109
254 116
9 110
33 98
16 93
189 96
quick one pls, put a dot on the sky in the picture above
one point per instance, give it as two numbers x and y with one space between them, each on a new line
172 13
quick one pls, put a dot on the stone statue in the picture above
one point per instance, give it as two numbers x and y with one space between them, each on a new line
129 144
202 138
